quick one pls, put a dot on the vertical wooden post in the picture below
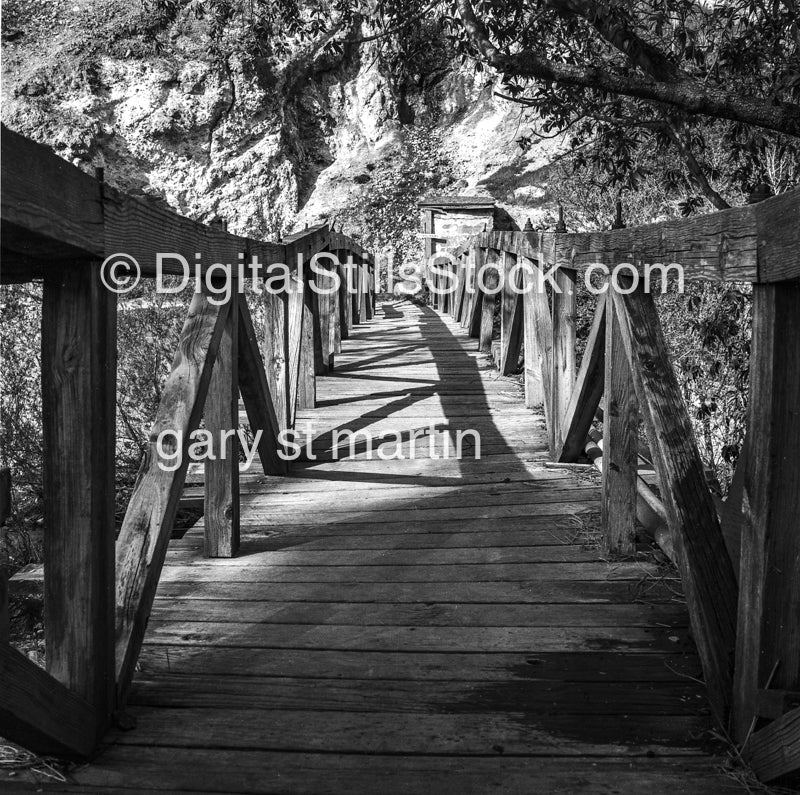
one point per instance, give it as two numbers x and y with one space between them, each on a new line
768 635
492 280
221 513
79 365
310 360
345 303
511 316
363 291
564 368
474 318
620 444
370 292
355 291
534 388
275 353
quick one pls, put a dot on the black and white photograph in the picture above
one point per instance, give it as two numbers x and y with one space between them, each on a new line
400 397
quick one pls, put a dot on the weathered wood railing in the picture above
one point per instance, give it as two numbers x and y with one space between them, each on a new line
748 635
58 225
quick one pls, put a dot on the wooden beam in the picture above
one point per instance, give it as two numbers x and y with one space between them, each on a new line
564 367
147 527
276 353
706 571
491 280
511 317
774 751
79 366
756 243
51 211
620 444
768 639
539 324
39 713
476 306
588 390
293 334
221 507
256 392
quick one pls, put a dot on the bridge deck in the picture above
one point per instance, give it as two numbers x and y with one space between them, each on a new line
415 625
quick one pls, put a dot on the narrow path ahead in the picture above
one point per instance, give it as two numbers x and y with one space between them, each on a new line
417 625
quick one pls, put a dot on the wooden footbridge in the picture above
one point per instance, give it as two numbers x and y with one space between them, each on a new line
379 614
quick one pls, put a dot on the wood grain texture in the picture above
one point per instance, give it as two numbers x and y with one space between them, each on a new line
620 444
706 571
539 324
38 712
588 390
148 522
78 398
768 638
511 316
257 393
49 208
221 505
774 751
564 307
489 283
276 353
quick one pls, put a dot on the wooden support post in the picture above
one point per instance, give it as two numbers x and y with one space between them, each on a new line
256 394
620 444
310 359
588 389
511 317
327 303
147 527
564 309
476 308
297 367
79 365
355 292
5 623
363 291
768 637
539 327
469 287
370 293
706 571
276 353
489 302
221 511
37 711
345 269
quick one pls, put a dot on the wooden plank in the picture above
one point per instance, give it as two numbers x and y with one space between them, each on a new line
257 394
620 444
539 324
49 208
564 308
148 522
78 397
768 638
192 768
511 317
774 751
432 667
475 314
703 562
489 283
221 506
38 712
276 352
588 391
297 366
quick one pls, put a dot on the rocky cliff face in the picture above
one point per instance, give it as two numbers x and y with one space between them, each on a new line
265 146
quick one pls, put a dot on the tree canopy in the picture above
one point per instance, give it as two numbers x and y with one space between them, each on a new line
619 76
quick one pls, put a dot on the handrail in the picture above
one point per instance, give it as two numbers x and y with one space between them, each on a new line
626 363
58 224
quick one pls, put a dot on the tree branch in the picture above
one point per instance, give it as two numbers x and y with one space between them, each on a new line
685 94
